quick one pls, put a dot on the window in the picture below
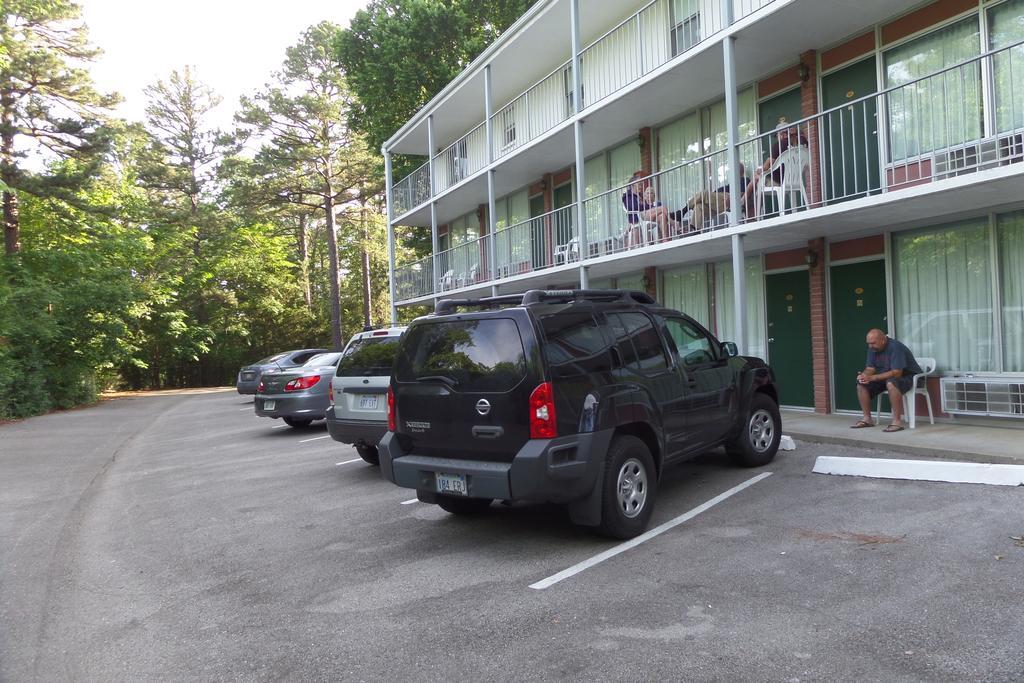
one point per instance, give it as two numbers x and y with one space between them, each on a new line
510 132
637 341
725 307
371 356
575 344
941 111
1010 228
943 294
610 169
693 346
685 31
513 245
686 290
1006 27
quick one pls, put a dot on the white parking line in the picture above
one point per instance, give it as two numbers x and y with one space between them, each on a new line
410 502
279 427
345 462
249 408
634 542
316 438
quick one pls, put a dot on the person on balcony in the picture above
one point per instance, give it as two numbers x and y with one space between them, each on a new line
785 137
709 204
890 367
638 208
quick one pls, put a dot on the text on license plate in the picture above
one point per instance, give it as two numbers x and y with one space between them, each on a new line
368 402
268 405
451 483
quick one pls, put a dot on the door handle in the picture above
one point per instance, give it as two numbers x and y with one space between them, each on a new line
484 432
771 340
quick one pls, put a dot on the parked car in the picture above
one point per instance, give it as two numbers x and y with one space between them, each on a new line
249 376
358 413
574 397
298 395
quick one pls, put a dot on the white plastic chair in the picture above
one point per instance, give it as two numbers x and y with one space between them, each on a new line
448 280
794 163
928 366
646 228
570 251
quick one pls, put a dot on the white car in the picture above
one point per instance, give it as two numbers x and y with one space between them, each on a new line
358 413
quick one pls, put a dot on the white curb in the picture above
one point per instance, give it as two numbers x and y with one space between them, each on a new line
923 470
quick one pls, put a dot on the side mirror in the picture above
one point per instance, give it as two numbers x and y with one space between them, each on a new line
730 349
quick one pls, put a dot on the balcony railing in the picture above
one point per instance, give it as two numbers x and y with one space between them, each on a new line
464 265
412 191
535 112
538 243
414 280
461 159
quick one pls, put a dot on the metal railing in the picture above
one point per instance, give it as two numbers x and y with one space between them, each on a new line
412 190
461 159
542 107
463 265
538 243
415 279
949 123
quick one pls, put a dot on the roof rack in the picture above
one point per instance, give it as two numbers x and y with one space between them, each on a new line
534 296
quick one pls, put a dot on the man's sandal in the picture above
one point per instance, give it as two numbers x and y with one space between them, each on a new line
893 428
861 424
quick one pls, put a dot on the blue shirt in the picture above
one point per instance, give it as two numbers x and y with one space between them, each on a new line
895 356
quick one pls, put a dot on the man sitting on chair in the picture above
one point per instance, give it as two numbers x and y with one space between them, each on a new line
890 367
785 138
706 204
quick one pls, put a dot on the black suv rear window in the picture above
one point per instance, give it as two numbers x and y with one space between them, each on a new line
467 355
369 357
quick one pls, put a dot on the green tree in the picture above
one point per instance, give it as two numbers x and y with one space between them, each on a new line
310 156
47 98
397 54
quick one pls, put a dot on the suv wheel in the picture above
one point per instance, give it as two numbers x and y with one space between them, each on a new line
369 454
463 506
758 440
630 488
297 424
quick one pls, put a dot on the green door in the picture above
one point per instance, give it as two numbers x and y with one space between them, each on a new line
787 106
850 134
788 298
858 304
539 237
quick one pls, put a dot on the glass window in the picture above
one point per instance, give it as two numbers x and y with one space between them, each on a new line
1006 27
686 290
638 341
685 25
1011 275
943 293
632 282
575 344
725 319
940 111
372 356
320 360
469 355
693 346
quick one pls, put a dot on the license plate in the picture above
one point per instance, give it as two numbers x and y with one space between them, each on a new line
268 405
451 483
368 402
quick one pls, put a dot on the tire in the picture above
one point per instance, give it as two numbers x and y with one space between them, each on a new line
463 506
297 424
629 490
760 433
369 454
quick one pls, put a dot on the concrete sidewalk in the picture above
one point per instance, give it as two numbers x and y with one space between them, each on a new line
941 440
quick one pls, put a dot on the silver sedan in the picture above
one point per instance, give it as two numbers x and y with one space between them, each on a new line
297 395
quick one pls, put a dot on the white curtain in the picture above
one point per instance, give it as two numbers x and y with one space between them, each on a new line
686 290
1006 26
725 307
943 293
1011 267
940 111
633 281
595 172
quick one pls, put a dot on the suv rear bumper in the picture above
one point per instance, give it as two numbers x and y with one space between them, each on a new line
557 470
355 431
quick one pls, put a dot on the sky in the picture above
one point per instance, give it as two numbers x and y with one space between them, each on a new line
232 45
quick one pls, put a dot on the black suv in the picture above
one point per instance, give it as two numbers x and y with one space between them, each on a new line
579 397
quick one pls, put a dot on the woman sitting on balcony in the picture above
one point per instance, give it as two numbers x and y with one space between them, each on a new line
640 208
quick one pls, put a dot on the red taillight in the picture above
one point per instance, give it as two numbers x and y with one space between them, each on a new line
392 415
259 389
542 412
330 393
300 383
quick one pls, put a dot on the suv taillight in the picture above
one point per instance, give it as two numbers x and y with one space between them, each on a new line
542 412
330 392
392 416
300 383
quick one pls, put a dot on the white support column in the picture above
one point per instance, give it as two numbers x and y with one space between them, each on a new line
388 188
577 103
492 219
731 124
435 276
739 289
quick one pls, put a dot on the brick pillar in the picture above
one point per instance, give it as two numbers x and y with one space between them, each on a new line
646 151
651 275
809 107
819 328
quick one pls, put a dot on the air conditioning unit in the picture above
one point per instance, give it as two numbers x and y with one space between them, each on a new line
1011 148
990 396
977 156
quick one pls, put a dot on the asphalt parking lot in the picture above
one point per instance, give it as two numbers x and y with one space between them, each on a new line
179 536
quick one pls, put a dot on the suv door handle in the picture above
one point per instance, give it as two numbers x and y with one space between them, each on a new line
485 432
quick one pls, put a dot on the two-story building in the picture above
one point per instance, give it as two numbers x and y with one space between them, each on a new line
870 152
